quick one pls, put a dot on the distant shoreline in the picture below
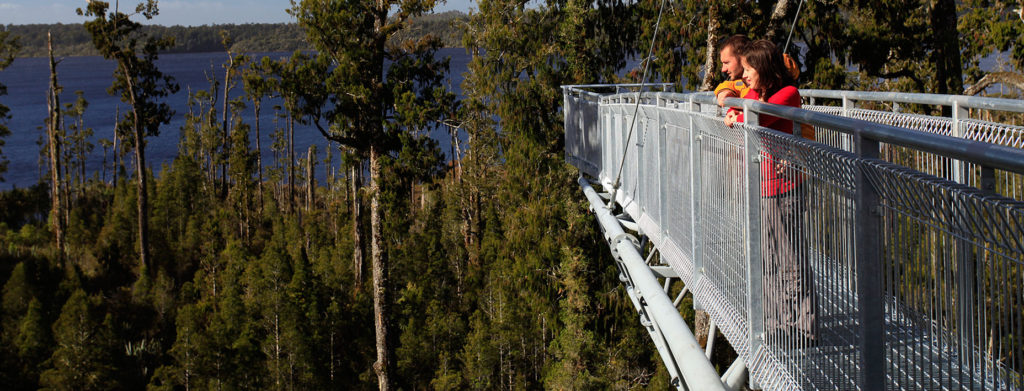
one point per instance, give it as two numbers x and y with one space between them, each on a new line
71 40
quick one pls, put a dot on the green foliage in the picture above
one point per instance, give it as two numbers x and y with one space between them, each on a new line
76 146
83 358
137 79
24 206
988 27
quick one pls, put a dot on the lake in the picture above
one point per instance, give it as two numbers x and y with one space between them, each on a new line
27 83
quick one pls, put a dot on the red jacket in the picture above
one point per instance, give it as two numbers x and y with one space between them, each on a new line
772 183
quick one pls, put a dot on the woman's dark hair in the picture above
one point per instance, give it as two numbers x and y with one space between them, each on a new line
767 60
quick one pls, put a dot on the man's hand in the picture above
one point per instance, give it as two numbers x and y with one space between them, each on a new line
730 117
726 93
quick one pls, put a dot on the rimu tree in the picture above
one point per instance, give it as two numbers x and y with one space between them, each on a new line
140 84
379 89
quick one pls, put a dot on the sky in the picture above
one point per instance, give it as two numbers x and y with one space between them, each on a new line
172 12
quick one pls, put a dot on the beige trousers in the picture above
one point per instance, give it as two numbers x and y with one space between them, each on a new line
790 305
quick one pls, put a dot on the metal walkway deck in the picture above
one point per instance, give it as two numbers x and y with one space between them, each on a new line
897 261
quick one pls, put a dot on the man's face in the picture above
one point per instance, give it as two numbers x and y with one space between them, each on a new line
730 64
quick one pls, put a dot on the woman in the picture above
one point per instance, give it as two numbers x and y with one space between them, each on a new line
789 300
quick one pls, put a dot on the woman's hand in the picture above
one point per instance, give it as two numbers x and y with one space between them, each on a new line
783 167
730 117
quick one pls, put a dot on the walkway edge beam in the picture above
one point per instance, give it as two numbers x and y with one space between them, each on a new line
696 370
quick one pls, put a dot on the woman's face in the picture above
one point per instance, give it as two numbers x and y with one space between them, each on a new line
749 75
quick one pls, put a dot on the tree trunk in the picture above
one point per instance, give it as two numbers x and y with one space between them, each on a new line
81 156
140 172
291 162
381 305
259 153
117 152
53 106
143 204
357 233
225 142
946 55
775 22
310 179
329 167
712 45
1010 79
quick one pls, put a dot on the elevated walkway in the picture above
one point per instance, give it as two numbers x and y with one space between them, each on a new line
897 262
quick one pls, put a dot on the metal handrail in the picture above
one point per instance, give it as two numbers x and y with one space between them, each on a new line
627 85
963 101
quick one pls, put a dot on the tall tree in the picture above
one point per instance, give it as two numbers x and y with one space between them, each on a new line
78 143
140 84
372 105
55 139
355 166
258 85
303 98
231 70
521 56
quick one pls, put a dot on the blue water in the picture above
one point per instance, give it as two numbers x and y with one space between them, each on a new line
27 83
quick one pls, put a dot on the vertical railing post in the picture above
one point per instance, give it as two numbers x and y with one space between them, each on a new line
959 170
696 235
962 249
571 123
662 173
847 106
868 265
605 119
967 270
656 176
752 226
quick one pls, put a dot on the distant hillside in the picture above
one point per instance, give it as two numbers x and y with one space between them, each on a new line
73 40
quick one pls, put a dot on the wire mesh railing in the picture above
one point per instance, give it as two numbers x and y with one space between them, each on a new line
845 262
